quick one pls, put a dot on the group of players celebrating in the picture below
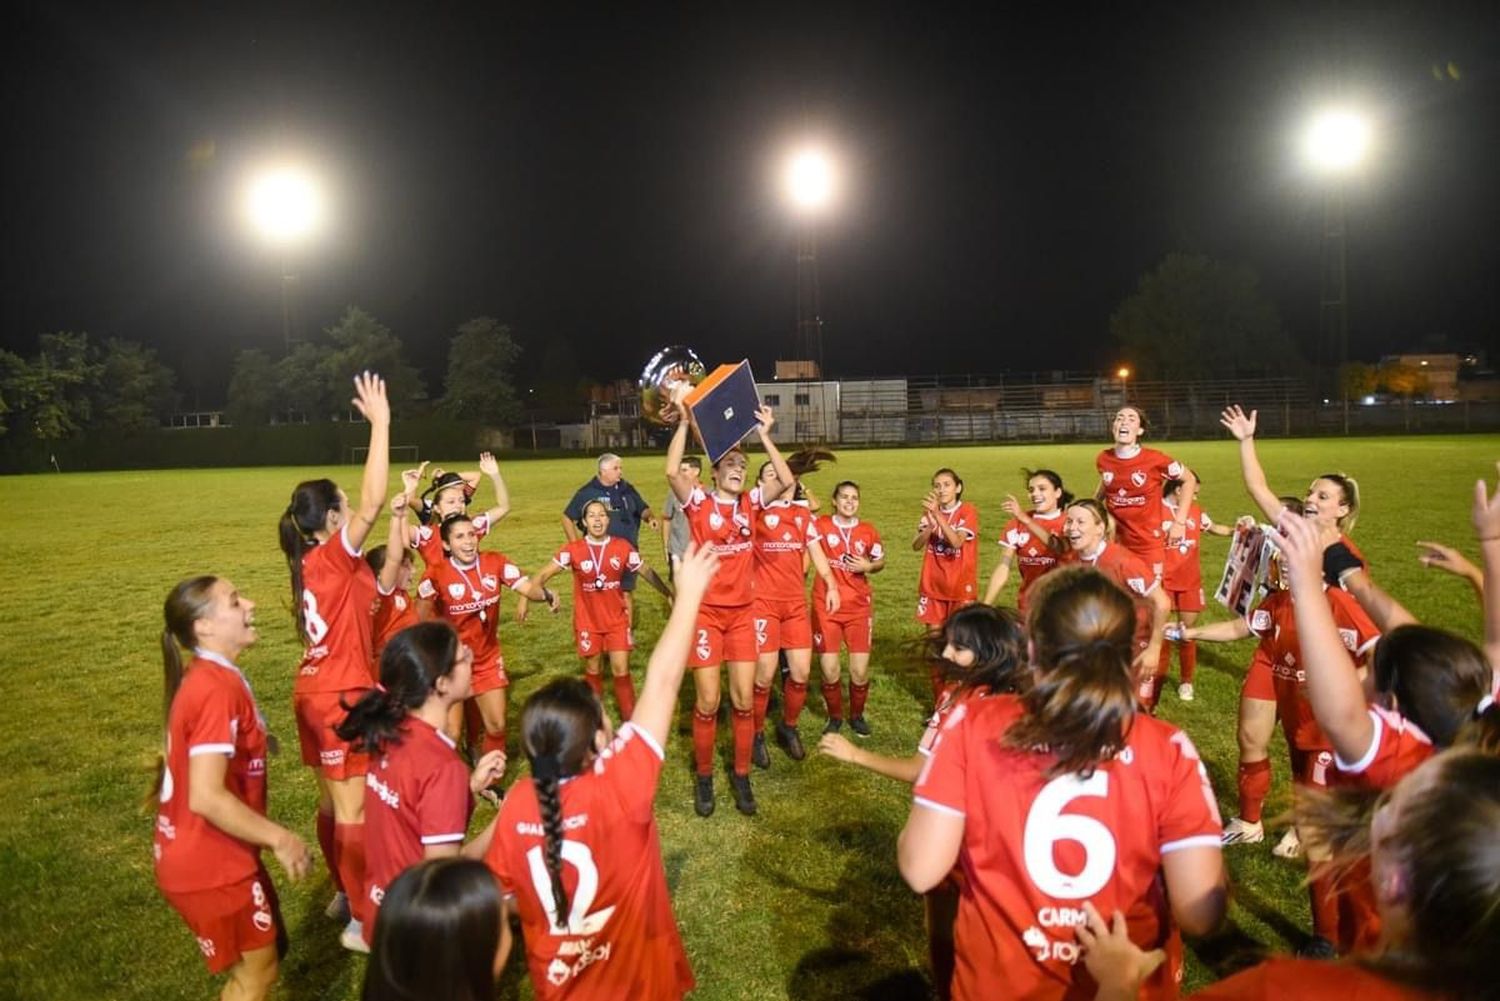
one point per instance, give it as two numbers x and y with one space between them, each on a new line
1063 837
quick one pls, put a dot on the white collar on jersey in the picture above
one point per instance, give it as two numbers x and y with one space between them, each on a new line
464 566
1094 556
838 520
218 658
951 507
1127 451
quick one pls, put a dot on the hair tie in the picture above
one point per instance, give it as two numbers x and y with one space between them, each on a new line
1483 706
546 768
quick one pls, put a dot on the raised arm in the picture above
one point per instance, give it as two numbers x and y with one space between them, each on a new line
1486 515
1382 608
1243 429
765 419
395 546
1333 687
489 467
680 482
668 663
370 400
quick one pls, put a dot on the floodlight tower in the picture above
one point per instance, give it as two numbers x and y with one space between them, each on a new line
810 186
1335 144
285 206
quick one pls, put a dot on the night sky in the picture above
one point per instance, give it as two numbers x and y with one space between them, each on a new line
604 180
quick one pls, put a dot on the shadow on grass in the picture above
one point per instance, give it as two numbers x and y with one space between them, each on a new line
317 964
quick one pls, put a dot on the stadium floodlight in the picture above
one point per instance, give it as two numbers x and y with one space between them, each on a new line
1123 372
285 205
810 179
1336 140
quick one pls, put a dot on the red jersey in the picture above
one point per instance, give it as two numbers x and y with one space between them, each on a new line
950 574
598 567
1283 977
469 597
1181 570
726 525
393 613
1034 849
338 593
840 541
619 938
427 540
781 533
946 703
1275 623
1132 574
213 712
416 794
1397 747
1033 556
1133 494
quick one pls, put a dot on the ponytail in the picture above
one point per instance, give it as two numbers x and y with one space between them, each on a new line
1082 702
306 514
1482 730
410 667
186 603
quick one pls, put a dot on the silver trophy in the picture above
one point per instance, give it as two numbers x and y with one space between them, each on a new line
667 369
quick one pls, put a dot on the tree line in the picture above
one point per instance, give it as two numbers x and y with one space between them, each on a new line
73 384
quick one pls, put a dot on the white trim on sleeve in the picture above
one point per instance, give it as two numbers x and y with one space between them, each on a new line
939 807
442 839
198 749
649 740
348 548
1368 758
1368 646
1197 841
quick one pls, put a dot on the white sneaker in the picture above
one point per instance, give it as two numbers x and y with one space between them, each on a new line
353 937
1243 832
338 907
1290 846
1185 691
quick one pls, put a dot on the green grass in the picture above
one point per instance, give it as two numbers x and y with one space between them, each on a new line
802 901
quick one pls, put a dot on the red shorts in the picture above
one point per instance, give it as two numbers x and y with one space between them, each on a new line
935 611
857 631
489 676
723 633
1258 683
229 921
1311 768
782 624
317 714
591 642
1187 600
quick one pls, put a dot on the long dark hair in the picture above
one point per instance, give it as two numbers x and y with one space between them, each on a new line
437 934
410 667
557 733
999 645
1053 478
802 462
1444 842
306 514
186 603
1438 680
1082 701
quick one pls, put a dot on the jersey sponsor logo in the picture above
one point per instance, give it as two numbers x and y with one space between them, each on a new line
572 823
587 566
386 794
1174 469
206 946
331 758
1123 499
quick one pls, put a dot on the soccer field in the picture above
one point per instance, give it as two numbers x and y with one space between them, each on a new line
802 901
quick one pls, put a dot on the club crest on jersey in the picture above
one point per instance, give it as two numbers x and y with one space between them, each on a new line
833 540
614 561
1107 477
586 566
859 547
489 581
1021 538
1138 478
1350 638
715 521
455 590
772 520
1137 584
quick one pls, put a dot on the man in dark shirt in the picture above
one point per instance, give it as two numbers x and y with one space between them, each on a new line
627 510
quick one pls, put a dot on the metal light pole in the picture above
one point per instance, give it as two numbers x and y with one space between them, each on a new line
1335 145
810 184
285 206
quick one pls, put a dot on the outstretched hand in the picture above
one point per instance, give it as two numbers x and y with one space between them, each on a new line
370 399
695 571
487 464
1436 556
411 479
765 418
1486 513
1236 423
1301 549
1011 506
398 504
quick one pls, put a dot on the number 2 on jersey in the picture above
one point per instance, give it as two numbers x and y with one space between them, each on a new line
1046 825
580 921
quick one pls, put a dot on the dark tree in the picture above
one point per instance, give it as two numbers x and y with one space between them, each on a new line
252 389
360 343
302 384
52 394
481 358
136 391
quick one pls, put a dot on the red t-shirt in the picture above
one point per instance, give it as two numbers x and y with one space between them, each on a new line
1033 556
1276 624
1130 572
213 712
620 939
469 597
1133 494
1397 747
1034 849
338 594
1182 570
598 567
950 574
416 794
1315 979
393 613
781 533
839 541
726 525
427 540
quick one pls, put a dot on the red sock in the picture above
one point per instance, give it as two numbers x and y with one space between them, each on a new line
595 683
330 849
759 700
349 848
796 698
1187 656
1325 905
857 696
705 729
833 698
493 742
742 723
625 695
1164 660
1255 785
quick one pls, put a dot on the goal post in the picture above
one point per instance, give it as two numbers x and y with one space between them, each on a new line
406 454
